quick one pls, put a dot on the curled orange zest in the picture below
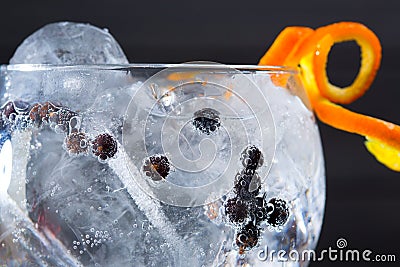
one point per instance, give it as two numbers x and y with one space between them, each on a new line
311 55
370 60
285 44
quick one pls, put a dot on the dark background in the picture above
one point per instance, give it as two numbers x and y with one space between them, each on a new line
363 198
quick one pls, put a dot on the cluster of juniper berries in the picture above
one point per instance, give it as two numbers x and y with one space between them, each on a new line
246 210
19 115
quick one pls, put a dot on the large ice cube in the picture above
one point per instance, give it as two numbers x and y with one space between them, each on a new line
69 43
73 44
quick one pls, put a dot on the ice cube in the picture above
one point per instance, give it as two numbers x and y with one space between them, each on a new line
64 43
69 43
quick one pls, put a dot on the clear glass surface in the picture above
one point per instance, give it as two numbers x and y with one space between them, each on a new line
145 165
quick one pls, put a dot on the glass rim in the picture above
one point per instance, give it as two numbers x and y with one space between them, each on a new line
116 67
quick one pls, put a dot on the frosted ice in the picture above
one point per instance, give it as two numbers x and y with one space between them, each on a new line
69 43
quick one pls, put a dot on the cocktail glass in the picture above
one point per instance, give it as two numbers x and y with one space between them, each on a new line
196 164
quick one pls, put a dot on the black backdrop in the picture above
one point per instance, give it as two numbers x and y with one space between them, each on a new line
362 195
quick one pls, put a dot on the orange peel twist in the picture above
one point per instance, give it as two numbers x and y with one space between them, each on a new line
308 50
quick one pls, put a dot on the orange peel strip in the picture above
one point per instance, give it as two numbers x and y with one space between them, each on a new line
384 153
311 55
370 60
285 43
